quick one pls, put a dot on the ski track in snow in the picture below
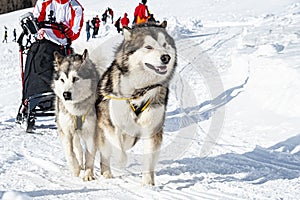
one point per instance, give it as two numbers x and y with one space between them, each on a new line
35 164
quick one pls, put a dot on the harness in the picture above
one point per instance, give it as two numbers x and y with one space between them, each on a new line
139 109
79 120
139 93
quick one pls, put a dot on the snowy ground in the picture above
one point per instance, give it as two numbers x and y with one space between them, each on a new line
232 127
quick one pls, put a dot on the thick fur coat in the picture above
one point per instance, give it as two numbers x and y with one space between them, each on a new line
133 95
75 84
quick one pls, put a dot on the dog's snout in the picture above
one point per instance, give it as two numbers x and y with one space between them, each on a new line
67 95
165 59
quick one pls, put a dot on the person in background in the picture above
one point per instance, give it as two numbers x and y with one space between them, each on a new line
111 13
87 29
15 35
117 25
125 21
96 25
141 13
104 17
5 36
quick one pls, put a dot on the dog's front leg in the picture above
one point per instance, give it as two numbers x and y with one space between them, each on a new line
151 153
105 154
119 148
78 150
70 155
89 157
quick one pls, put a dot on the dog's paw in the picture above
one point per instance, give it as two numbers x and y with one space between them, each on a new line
88 175
88 178
148 179
107 174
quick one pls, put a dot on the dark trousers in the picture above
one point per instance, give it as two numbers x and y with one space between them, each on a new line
39 67
88 35
95 32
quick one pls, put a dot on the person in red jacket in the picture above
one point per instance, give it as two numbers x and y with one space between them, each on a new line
141 13
96 25
69 13
125 20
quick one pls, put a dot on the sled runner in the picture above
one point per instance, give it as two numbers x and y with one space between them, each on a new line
37 95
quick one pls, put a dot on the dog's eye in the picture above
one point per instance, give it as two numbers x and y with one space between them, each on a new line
62 80
75 79
148 47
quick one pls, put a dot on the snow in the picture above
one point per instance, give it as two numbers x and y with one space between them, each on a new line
232 126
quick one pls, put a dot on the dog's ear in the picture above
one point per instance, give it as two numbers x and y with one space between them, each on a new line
127 33
164 24
85 54
58 58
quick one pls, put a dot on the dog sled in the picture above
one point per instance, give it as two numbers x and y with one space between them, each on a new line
37 95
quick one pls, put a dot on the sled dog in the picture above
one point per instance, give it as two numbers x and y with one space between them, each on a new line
75 84
133 95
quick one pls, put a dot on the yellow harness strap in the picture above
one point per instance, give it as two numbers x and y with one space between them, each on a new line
119 98
79 120
134 108
139 110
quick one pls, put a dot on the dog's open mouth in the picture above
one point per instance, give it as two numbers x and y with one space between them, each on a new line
159 69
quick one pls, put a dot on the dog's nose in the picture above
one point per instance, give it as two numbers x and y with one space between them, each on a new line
165 59
67 95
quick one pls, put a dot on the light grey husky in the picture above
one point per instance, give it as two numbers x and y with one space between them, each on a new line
133 94
75 84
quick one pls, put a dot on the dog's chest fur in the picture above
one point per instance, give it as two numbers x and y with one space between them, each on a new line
120 114
123 115
67 120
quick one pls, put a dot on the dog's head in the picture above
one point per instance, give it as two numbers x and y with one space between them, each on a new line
75 77
150 52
